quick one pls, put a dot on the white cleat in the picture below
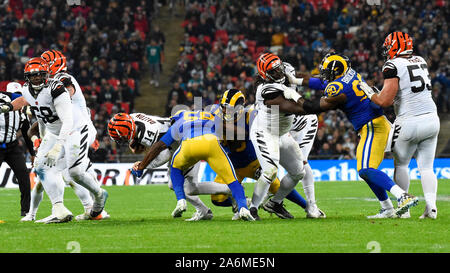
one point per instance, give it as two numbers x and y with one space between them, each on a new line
201 215
406 215
99 204
87 216
235 216
245 215
429 213
312 211
384 213
60 214
180 208
28 218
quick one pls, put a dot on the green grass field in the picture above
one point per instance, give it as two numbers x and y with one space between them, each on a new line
141 223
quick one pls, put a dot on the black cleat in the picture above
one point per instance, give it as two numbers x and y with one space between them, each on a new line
254 213
278 209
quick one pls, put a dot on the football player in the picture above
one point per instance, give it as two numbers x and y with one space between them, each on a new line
304 130
140 131
50 102
340 83
270 136
236 121
407 86
196 132
58 70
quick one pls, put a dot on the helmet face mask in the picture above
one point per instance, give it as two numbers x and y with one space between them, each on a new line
37 80
36 73
270 68
333 66
231 105
231 113
276 74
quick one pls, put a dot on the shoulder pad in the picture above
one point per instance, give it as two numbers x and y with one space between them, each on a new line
56 88
271 90
389 70
333 89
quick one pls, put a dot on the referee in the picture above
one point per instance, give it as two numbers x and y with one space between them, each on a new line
10 151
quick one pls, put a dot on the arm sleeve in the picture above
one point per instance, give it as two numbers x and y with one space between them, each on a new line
63 107
317 84
15 96
389 71
167 138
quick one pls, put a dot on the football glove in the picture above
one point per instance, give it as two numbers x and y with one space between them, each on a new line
36 142
53 154
137 173
369 91
291 94
293 80
6 107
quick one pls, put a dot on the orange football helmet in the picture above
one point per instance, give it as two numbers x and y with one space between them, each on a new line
397 43
121 128
270 68
56 61
36 73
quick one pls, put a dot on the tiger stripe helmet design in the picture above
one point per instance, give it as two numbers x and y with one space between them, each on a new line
56 61
121 128
36 73
396 44
334 66
270 68
232 105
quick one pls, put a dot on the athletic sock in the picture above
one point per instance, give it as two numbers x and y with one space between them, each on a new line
308 184
287 184
382 180
294 196
429 186
238 194
196 202
259 192
401 177
177 177
36 197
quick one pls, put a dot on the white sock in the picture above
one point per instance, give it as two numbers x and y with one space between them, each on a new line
401 177
396 191
36 197
287 184
386 204
53 184
260 190
83 194
308 184
429 186
196 202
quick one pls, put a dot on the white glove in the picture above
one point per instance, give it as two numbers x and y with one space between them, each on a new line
293 80
291 94
369 91
53 155
4 108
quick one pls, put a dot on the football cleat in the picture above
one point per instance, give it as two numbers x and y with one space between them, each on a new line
254 213
429 213
384 213
405 202
28 218
179 209
245 215
87 216
236 216
99 204
60 214
201 215
278 209
312 211
406 215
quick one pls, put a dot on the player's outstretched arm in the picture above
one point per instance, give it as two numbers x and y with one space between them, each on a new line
305 107
15 105
385 97
152 153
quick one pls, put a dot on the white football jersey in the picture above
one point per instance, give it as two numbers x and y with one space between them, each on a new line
78 100
414 95
43 107
149 129
270 118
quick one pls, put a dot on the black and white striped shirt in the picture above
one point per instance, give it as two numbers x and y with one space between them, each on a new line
10 122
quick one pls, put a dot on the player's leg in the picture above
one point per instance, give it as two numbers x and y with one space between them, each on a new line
291 159
37 193
51 179
370 153
202 212
16 161
267 149
294 196
77 160
426 150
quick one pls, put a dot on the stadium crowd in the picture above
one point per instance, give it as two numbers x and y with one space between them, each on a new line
103 42
223 39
